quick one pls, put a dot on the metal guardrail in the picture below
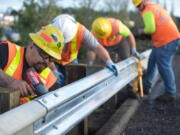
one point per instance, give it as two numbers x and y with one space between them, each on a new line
59 111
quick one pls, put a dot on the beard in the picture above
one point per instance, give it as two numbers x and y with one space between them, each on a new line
40 66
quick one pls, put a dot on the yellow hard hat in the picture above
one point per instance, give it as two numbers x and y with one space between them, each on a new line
137 2
101 27
50 40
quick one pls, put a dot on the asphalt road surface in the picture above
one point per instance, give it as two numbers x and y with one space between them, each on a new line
155 118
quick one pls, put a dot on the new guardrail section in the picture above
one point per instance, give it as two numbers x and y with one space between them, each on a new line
57 112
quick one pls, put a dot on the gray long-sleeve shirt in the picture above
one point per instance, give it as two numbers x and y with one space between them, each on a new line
88 39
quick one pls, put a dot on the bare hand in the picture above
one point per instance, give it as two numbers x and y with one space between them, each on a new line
52 66
23 86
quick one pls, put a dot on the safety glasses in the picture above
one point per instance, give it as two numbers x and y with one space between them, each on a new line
140 6
43 54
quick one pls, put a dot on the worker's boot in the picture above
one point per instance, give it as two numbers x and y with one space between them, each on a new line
166 98
146 90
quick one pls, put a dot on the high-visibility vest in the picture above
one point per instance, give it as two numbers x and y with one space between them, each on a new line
14 65
115 37
71 52
166 29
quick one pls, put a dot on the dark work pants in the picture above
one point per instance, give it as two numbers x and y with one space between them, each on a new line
122 49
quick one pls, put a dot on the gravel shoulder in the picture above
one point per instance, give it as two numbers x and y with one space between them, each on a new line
157 118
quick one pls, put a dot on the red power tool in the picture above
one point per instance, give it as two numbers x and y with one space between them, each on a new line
32 77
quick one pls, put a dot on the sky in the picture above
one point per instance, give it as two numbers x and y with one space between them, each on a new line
17 4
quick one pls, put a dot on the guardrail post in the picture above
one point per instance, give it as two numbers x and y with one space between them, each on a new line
9 99
75 72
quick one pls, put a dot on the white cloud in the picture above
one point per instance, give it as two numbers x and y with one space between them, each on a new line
14 4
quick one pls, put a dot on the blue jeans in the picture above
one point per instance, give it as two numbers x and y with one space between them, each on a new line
61 72
160 60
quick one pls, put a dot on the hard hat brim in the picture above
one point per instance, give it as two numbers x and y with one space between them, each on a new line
44 47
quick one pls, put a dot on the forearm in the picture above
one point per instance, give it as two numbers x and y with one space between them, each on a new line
5 79
132 41
10 82
102 53
91 55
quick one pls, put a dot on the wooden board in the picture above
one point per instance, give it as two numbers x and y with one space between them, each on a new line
9 99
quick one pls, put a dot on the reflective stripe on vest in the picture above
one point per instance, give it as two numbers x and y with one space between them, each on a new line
45 72
15 60
115 28
47 77
115 37
14 64
74 46
166 30
161 18
70 50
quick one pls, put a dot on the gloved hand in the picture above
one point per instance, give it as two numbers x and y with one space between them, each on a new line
111 66
135 53
90 63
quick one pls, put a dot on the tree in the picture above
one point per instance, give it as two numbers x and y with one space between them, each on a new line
86 13
33 16
117 9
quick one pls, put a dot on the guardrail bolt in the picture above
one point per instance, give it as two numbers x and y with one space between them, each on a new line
54 126
56 95
45 101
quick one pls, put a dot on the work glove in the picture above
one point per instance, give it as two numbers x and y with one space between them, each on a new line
135 53
90 63
111 66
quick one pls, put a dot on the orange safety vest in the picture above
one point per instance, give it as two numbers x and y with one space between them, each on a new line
166 29
14 65
69 54
115 37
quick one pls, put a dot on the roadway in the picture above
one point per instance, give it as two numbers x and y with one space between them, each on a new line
155 118
146 116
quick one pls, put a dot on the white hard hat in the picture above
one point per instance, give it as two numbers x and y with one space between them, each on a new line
67 25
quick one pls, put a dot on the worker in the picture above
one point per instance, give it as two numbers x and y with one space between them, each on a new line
166 39
46 46
75 35
112 33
